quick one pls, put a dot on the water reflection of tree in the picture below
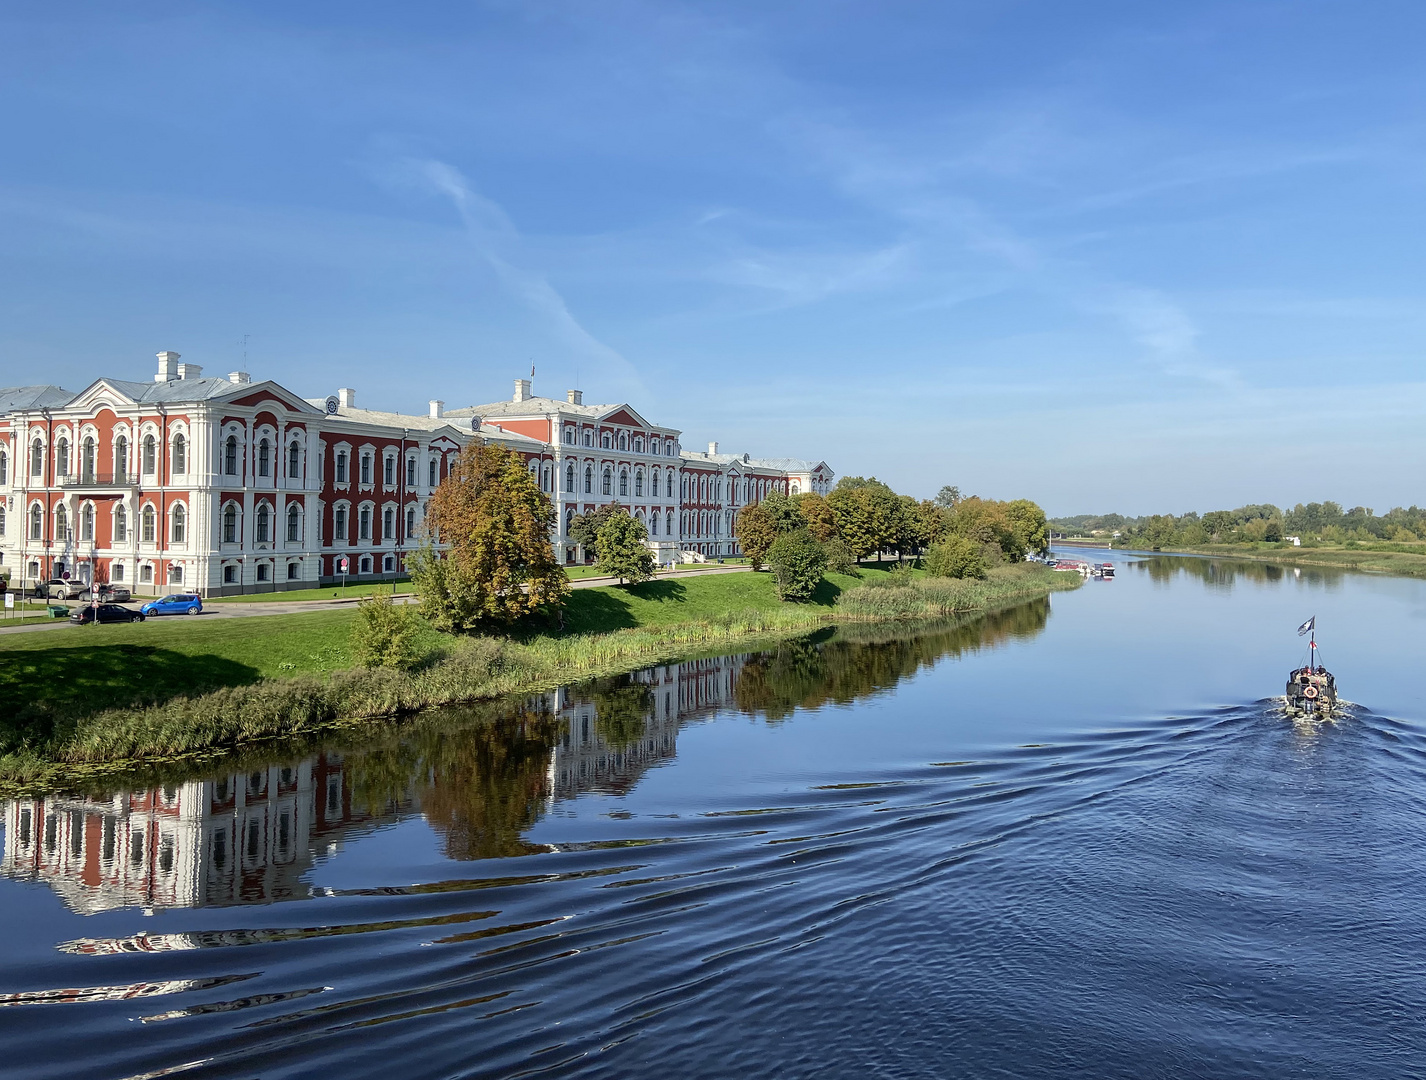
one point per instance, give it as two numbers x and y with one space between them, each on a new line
1225 573
621 708
481 777
861 661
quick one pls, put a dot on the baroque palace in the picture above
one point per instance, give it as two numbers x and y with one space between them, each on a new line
225 485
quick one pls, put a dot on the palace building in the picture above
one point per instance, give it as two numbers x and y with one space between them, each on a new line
226 485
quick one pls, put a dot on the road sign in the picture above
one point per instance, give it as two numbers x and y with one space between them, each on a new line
344 564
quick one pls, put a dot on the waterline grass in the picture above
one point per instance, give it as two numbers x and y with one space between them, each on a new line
58 739
1405 560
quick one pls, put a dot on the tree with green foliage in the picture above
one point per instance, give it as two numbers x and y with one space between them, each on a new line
932 522
839 557
756 531
987 523
865 510
584 528
1032 531
948 496
797 561
821 521
385 633
498 565
955 557
785 513
622 550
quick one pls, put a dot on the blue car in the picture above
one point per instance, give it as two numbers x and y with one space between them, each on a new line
174 604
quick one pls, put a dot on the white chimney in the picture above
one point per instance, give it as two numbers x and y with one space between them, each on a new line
522 390
241 378
576 397
712 448
190 371
438 409
167 367
347 396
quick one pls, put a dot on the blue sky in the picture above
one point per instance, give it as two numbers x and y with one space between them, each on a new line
1110 256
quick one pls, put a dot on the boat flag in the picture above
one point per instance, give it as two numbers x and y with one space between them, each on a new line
1310 624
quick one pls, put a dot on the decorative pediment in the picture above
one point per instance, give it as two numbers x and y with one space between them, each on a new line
99 394
624 414
256 395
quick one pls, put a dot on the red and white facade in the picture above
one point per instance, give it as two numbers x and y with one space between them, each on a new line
223 485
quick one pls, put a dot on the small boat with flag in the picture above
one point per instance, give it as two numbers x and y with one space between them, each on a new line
1311 689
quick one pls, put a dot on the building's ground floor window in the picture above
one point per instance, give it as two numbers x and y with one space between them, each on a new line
146 573
388 564
34 569
230 575
262 571
175 574
116 572
365 564
293 570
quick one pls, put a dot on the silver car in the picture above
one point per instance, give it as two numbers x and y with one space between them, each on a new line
60 589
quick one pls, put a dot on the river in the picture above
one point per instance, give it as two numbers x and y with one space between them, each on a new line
1076 839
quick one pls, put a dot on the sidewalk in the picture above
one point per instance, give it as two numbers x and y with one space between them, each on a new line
277 607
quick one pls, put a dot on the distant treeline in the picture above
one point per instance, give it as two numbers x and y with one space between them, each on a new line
1324 522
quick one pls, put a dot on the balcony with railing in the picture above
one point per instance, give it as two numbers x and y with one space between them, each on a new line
98 480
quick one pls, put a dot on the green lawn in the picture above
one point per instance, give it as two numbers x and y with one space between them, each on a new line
332 592
122 665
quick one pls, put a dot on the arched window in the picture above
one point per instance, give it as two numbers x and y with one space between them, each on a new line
230 524
623 441
654 524
294 460
4 467
568 520
623 482
668 523
150 456
264 458
121 459
180 454
61 523
86 459
606 440
410 521
639 484
86 522
146 525
264 522
230 456
177 527
546 481
608 482
569 477
639 445
37 460
37 522
339 523
121 525
589 479
294 523
61 456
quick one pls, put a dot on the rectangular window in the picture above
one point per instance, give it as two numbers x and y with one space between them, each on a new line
292 571
262 571
146 573
364 523
433 474
339 523
411 472
366 468
389 472
230 575
341 466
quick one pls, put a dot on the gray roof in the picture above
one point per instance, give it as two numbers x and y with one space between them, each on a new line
782 464
171 390
13 398
541 406
422 422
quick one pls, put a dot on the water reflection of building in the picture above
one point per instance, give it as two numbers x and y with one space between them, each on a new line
590 757
239 838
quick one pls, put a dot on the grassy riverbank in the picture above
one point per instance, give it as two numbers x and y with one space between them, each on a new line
79 700
1407 560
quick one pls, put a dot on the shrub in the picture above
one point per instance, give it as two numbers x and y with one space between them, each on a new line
839 557
622 550
796 560
956 557
385 634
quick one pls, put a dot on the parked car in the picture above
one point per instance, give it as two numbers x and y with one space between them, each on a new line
104 613
114 594
60 589
174 604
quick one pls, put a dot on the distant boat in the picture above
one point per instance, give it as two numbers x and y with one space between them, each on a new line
1311 689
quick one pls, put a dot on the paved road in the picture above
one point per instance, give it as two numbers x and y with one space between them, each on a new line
239 610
